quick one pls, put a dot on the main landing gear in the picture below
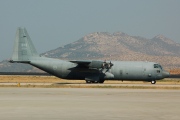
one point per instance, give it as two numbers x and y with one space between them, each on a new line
89 82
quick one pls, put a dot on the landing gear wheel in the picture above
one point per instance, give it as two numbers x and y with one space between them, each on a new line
153 82
93 81
96 81
88 81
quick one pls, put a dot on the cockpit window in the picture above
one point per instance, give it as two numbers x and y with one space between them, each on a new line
158 66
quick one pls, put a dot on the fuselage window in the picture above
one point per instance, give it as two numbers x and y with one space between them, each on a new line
158 71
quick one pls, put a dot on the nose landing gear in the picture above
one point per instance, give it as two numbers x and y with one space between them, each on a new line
153 81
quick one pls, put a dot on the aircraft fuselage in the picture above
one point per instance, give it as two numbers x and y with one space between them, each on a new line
93 71
121 70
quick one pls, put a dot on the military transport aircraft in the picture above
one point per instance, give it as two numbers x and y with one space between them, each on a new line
93 71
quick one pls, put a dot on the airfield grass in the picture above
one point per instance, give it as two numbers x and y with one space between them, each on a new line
62 83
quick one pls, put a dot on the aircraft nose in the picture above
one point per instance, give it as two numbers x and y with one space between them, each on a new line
166 74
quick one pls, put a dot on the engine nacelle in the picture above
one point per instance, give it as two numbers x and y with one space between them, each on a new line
96 64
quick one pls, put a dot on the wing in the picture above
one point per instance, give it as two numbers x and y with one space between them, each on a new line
88 63
94 64
82 63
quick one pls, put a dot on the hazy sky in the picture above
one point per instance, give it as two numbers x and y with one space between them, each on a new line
54 23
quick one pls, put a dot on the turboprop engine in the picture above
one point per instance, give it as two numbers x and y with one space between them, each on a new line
96 64
100 65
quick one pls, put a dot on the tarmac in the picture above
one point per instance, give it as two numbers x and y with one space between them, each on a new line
89 104
84 85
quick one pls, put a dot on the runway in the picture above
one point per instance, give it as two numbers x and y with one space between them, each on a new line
88 104
84 85
54 82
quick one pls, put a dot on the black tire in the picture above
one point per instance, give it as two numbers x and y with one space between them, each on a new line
153 82
88 81
96 81
93 81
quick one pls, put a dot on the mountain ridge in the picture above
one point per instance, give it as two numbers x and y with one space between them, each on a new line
125 43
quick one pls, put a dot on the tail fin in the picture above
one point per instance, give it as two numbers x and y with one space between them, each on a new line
24 49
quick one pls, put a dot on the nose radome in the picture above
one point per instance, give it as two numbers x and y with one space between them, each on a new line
166 74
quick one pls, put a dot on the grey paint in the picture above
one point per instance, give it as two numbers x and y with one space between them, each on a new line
92 71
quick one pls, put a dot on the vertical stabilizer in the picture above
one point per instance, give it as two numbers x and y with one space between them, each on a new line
24 49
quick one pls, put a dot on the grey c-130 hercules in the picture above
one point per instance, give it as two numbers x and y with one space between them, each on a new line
93 71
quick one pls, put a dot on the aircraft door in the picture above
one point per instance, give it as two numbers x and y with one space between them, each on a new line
123 73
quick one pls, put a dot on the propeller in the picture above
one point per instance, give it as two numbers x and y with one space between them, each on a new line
107 65
110 64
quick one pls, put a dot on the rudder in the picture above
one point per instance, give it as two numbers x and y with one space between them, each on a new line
24 49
